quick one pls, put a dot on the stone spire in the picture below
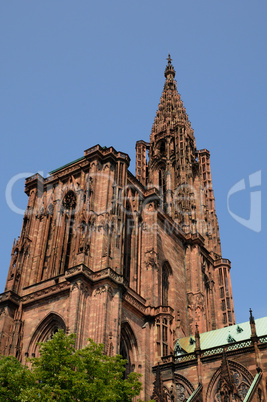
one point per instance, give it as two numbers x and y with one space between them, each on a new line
180 172
171 110
172 146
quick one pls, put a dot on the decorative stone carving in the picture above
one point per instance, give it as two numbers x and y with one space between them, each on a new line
103 289
151 259
178 332
230 382
45 292
134 302
69 201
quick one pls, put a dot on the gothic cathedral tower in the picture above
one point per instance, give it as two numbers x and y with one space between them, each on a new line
132 262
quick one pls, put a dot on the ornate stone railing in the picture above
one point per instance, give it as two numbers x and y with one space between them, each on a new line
228 348
168 359
219 350
263 339
185 358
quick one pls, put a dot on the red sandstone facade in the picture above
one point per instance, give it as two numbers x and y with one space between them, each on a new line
132 262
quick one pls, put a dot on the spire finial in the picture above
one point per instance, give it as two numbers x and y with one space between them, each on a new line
251 318
169 70
252 324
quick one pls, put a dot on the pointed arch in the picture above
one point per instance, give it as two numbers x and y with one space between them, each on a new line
45 330
242 380
129 347
69 204
183 387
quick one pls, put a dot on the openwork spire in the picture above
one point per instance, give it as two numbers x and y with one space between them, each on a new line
171 111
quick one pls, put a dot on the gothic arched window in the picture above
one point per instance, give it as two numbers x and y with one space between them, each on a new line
183 388
166 271
129 225
128 348
240 380
69 205
44 332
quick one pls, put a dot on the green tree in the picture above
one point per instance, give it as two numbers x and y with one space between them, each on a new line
14 379
62 373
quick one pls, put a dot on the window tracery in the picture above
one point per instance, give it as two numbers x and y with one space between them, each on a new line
163 333
45 331
69 201
183 388
233 389
182 393
242 386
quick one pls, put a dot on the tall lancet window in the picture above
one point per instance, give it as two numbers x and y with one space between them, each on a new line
129 224
69 204
165 284
162 187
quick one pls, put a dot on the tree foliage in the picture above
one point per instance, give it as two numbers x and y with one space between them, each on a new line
14 379
62 373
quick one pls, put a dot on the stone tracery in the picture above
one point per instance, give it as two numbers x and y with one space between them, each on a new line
230 383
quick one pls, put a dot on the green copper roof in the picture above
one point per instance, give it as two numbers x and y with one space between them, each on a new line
222 336
195 394
67 164
253 387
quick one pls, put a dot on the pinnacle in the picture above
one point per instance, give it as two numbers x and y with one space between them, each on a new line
251 318
169 70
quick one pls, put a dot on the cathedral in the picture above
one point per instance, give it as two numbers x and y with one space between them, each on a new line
135 263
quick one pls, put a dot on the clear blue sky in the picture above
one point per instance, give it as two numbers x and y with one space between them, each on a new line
77 73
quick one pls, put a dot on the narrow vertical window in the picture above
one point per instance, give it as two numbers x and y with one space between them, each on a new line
69 205
47 250
165 285
67 260
129 224
162 187
164 337
220 277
